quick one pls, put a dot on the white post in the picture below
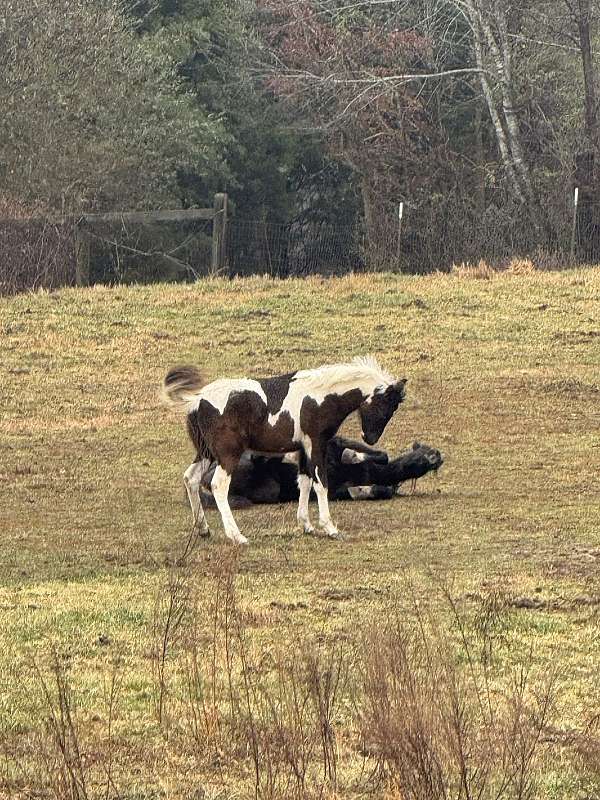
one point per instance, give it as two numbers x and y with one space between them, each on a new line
574 229
400 215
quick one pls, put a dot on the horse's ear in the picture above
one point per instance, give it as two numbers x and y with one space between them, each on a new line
401 383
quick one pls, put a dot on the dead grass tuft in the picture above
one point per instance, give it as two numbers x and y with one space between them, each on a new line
485 271
481 271
521 266
438 730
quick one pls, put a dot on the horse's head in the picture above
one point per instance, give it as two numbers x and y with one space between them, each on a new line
377 410
431 455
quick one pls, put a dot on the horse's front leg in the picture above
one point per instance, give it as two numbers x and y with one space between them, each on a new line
305 483
193 479
220 489
319 463
355 452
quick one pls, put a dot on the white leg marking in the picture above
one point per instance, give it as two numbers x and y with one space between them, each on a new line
220 489
324 517
350 456
304 484
360 492
192 478
307 444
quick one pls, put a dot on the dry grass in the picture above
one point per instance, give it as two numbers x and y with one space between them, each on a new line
259 677
516 266
480 271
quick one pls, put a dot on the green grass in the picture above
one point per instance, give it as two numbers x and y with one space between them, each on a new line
503 377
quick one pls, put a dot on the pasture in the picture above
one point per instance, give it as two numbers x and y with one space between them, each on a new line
124 673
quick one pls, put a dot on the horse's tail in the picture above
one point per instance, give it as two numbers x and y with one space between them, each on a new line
181 387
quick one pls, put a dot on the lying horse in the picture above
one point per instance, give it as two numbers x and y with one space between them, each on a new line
360 472
295 413
354 472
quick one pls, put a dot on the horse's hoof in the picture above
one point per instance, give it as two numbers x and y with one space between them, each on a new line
205 534
239 540
308 530
337 536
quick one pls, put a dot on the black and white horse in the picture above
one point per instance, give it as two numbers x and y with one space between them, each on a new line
295 413
354 472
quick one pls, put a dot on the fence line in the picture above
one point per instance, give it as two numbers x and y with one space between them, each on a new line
35 253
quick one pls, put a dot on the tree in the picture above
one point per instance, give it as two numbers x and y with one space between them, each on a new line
339 73
581 17
93 115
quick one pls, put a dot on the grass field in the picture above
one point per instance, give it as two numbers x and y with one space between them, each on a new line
123 674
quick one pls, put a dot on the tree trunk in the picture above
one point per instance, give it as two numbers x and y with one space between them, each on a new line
508 104
501 138
589 74
376 253
479 159
501 57
588 229
491 37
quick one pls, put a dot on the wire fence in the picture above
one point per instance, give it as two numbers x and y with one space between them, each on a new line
429 238
35 253
40 253
291 249
143 253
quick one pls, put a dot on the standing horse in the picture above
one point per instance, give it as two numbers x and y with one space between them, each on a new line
297 413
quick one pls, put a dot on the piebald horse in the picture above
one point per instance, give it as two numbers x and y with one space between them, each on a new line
295 414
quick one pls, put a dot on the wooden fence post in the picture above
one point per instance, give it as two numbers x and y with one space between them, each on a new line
82 255
219 242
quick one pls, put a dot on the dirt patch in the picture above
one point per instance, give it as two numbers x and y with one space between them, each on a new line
578 337
336 594
580 563
570 388
556 604
349 594
288 606
537 603
567 388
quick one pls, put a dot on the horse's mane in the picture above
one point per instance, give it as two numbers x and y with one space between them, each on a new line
361 370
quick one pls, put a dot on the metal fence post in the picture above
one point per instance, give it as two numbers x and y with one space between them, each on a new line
399 245
574 229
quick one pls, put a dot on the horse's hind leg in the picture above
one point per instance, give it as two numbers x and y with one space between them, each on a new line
192 478
321 484
325 520
304 485
220 489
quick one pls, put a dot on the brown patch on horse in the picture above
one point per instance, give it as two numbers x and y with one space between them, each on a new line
243 425
324 419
